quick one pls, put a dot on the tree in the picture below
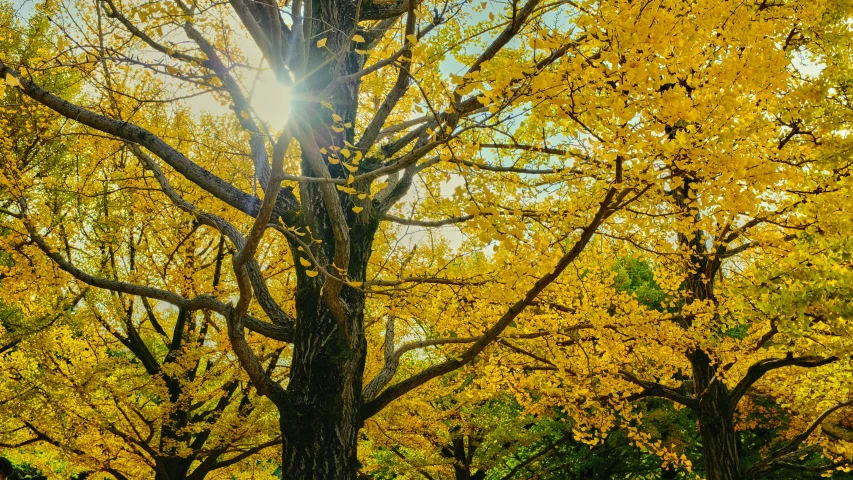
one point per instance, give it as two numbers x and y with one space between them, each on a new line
106 382
330 222
79 392
559 117
745 241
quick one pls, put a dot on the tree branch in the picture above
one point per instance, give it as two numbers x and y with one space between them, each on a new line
761 367
772 461
130 132
395 391
654 389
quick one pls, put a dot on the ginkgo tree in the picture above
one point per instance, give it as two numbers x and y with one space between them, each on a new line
525 126
93 380
743 229
338 146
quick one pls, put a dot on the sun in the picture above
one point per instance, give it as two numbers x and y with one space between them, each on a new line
270 100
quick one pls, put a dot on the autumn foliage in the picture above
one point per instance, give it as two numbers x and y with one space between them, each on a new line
335 239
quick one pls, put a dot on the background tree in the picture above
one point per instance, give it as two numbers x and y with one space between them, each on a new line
747 175
98 382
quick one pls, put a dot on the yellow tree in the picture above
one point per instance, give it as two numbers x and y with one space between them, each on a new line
748 139
544 118
77 398
98 379
317 53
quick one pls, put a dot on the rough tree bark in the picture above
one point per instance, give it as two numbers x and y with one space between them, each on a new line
716 421
713 410
321 412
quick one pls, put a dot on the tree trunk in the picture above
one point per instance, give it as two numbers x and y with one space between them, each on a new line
172 468
716 421
322 416
719 446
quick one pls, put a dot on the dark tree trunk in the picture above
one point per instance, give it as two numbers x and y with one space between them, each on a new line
172 468
322 415
716 421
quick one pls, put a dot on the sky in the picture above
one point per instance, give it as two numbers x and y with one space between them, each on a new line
269 101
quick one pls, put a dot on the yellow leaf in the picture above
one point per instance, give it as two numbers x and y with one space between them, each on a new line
12 80
334 161
349 167
357 38
336 117
172 70
304 262
350 179
357 209
244 115
355 284
362 196
321 43
326 104
360 51
349 190
345 152
324 151
311 273
338 129
358 156
411 38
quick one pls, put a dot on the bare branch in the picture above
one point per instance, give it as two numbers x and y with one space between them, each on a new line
391 363
371 132
427 223
130 132
236 333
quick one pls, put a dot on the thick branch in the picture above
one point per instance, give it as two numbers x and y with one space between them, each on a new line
130 132
397 92
758 369
373 10
654 389
427 223
393 361
492 334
